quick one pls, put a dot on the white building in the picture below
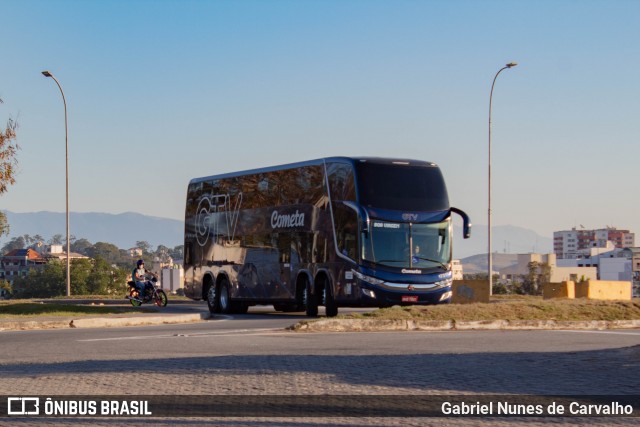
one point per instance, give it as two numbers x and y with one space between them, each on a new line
570 243
615 269
456 269
172 279
557 274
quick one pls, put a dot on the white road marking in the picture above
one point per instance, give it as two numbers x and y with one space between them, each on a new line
599 332
232 332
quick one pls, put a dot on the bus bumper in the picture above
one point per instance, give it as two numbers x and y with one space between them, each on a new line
378 297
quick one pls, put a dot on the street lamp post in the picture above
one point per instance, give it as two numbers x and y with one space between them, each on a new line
490 258
66 142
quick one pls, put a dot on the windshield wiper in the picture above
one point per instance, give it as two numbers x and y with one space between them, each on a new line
440 263
390 260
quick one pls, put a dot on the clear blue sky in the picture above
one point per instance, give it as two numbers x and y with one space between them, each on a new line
160 92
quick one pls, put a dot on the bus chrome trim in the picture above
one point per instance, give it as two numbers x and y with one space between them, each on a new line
411 286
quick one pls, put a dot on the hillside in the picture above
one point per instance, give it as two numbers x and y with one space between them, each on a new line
123 230
479 263
506 239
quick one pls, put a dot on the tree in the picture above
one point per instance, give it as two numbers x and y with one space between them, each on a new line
162 251
15 243
88 277
57 239
36 241
80 272
81 246
105 279
539 273
145 246
45 282
177 252
109 252
4 224
8 163
5 288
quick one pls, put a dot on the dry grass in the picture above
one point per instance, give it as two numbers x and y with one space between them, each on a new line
528 308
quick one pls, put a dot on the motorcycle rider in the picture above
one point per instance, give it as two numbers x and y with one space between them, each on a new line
139 276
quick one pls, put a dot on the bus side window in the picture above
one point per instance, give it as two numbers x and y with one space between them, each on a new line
284 247
319 248
346 222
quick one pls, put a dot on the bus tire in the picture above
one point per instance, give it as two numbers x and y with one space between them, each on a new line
225 301
212 297
310 301
330 306
300 293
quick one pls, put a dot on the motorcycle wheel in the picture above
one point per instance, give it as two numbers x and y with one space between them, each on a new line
133 302
160 298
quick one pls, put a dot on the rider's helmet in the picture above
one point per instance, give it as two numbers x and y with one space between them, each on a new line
140 262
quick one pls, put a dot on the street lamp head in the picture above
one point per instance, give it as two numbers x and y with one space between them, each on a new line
46 74
511 64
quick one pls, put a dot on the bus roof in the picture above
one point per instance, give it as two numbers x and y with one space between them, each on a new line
341 159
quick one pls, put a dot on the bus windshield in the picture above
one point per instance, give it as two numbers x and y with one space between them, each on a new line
408 245
401 188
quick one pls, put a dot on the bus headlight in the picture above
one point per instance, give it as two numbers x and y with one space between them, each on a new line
444 283
368 279
446 295
369 293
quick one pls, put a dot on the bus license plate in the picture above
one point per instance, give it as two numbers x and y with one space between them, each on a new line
409 298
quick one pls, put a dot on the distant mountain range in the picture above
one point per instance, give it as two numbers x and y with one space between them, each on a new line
480 263
124 230
507 239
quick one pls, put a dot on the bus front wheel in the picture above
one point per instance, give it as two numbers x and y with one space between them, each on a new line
331 308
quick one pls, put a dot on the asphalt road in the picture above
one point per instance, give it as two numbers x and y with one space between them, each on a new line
253 355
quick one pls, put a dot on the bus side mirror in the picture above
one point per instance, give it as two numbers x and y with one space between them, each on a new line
466 222
362 214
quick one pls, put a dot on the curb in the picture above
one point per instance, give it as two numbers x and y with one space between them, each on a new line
331 325
137 321
375 325
102 322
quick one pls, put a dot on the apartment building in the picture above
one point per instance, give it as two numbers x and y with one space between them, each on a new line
571 244
18 262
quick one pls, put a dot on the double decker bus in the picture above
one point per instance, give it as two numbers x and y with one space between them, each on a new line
333 232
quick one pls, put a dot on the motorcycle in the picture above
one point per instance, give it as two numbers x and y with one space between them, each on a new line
152 292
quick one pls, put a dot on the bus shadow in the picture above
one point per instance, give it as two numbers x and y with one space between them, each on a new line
610 371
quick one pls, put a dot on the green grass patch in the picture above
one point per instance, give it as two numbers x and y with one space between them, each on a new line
26 309
507 309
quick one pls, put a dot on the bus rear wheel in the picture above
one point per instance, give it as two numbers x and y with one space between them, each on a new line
212 298
310 301
225 301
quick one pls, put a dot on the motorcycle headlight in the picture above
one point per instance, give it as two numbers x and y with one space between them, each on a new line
368 279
